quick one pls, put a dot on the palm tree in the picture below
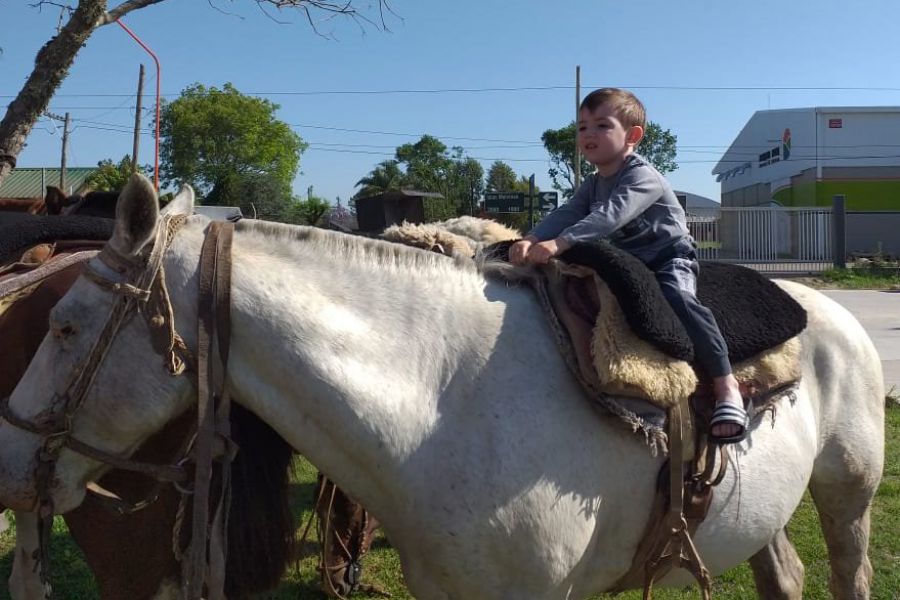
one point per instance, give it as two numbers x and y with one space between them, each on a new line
386 176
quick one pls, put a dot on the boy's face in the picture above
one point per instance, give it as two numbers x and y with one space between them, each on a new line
602 138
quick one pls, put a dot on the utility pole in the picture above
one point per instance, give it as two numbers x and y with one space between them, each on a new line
65 146
65 151
577 107
531 202
137 121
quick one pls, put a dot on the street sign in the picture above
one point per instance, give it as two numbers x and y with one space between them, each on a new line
504 202
548 201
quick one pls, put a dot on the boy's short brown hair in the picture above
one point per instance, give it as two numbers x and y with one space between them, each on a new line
629 110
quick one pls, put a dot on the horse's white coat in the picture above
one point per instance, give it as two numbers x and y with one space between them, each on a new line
438 399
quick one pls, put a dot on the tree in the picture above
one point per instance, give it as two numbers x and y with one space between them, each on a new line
111 177
306 212
560 144
51 66
428 164
260 195
500 178
386 176
658 147
467 183
210 136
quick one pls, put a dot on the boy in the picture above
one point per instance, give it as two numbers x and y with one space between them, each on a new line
629 202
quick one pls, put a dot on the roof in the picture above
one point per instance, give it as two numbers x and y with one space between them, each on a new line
725 165
398 194
29 182
220 213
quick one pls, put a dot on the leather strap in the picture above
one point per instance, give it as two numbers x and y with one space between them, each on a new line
203 558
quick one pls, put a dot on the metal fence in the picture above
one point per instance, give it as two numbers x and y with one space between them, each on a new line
772 239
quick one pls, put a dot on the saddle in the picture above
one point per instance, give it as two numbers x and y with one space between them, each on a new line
625 344
34 247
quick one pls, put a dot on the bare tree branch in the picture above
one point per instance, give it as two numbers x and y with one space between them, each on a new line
54 59
123 9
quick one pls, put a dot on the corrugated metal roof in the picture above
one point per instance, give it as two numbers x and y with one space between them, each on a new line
29 182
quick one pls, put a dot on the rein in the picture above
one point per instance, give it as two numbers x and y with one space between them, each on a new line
148 294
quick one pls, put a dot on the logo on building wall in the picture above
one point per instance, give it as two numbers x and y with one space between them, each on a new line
778 153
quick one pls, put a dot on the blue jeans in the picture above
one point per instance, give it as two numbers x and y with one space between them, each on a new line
677 277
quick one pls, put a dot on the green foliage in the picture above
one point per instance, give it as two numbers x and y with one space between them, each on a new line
386 176
261 196
871 275
306 212
429 166
500 178
111 177
210 136
560 145
658 146
438 209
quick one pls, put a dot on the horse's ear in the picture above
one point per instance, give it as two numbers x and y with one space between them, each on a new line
54 200
182 203
137 212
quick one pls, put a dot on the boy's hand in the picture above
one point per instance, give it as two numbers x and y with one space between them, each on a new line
519 250
542 252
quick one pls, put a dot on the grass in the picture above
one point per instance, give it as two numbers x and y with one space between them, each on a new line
864 277
73 581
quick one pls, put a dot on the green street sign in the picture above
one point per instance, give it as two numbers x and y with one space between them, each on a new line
505 202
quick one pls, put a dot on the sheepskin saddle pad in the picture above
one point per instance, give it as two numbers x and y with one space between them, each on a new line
637 346
20 233
640 347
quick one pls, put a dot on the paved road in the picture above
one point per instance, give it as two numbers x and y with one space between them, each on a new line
879 313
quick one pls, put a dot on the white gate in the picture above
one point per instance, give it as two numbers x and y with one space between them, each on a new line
770 238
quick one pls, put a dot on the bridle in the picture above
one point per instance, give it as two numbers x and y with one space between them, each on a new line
148 294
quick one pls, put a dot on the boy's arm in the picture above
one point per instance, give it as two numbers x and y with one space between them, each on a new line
635 192
566 215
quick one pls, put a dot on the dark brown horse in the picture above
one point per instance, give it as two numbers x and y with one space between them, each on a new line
131 554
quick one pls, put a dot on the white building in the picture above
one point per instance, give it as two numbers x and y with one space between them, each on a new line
806 156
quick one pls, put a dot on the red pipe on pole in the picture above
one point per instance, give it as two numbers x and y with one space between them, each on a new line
158 77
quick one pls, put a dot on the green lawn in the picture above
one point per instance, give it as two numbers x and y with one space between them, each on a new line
74 582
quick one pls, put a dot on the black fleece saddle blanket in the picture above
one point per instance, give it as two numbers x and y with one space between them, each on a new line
752 312
21 232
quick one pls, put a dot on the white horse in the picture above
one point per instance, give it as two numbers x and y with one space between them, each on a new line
435 396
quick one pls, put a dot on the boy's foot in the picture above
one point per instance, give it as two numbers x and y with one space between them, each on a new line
729 421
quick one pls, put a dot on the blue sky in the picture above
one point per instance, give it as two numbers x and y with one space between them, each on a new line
674 55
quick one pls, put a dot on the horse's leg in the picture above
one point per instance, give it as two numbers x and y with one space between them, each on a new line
777 570
844 514
25 580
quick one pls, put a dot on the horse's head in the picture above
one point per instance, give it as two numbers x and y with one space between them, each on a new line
346 530
97 381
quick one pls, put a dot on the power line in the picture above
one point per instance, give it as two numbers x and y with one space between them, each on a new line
528 88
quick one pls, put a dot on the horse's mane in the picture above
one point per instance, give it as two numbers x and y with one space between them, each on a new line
362 250
261 526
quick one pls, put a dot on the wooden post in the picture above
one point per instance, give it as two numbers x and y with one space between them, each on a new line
65 149
577 164
137 121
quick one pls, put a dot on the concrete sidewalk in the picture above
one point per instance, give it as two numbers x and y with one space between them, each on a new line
879 314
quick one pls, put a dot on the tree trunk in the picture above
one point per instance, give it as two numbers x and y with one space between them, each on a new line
50 68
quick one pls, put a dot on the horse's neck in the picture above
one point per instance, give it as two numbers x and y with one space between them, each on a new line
340 357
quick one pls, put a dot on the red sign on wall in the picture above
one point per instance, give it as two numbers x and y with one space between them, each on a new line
835 123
